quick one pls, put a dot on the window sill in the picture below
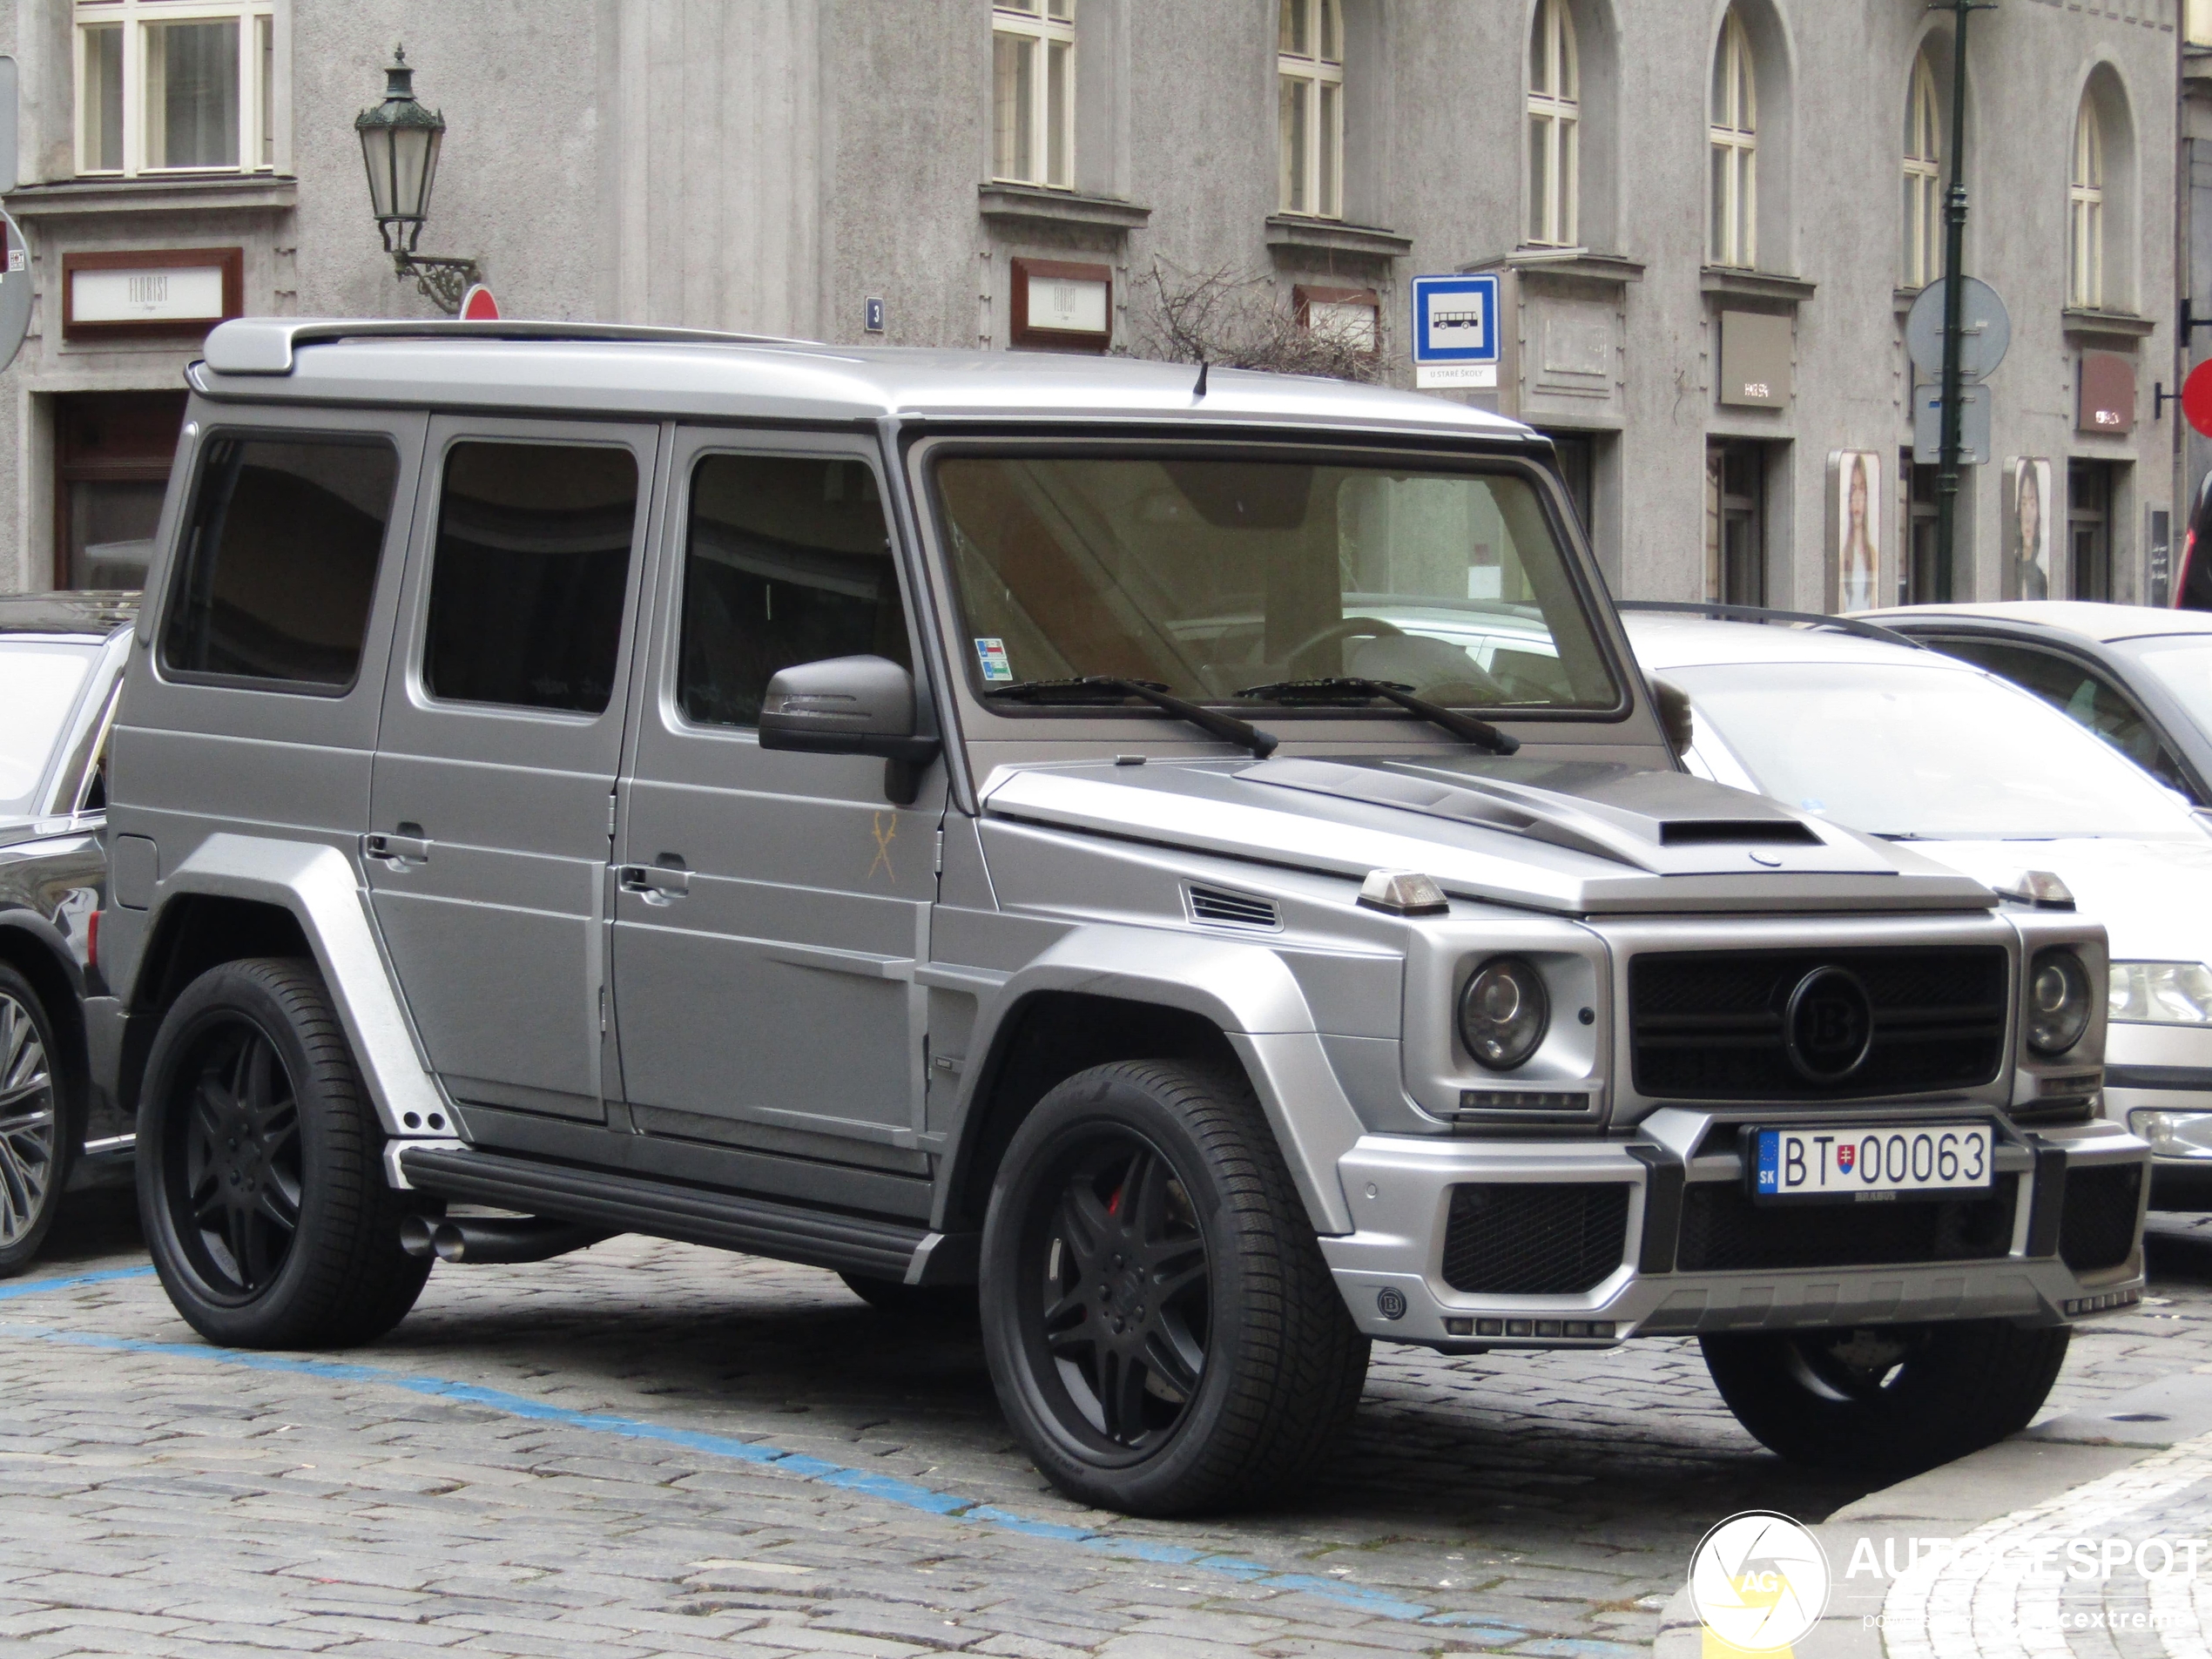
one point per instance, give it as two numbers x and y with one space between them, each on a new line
1333 236
1579 262
195 193
2083 322
1732 283
1033 204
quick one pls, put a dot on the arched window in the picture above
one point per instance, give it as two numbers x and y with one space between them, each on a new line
1923 180
1310 67
1554 127
2086 210
1734 132
1032 92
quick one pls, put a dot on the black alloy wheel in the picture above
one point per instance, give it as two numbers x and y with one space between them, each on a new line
38 1133
1118 1275
232 1161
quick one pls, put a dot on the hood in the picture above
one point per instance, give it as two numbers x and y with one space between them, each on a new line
2153 897
1577 838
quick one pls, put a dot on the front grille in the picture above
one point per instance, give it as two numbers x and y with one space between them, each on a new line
2097 1222
1710 1025
1227 908
1516 1239
1724 1231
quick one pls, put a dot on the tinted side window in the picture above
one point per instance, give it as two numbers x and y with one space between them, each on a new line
279 560
786 561
529 575
2073 689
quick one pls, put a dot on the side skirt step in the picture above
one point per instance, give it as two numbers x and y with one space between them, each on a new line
663 1209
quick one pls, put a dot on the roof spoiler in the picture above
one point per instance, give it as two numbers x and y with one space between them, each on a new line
268 345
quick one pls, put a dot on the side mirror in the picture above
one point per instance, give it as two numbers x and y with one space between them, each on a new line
1675 718
850 705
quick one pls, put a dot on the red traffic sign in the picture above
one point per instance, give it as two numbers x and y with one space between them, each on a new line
2197 398
478 306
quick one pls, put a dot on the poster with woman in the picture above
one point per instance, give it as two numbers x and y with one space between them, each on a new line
2027 528
1854 528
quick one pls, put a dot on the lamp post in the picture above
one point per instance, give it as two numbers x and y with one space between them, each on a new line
400 141
1955 294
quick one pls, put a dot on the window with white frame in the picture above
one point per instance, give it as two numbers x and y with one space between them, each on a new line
1735 140
1032 92
1310 68
175 86
2085 211
1554 127
1923 180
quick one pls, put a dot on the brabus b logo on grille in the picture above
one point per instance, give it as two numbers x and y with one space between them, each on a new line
1829 1025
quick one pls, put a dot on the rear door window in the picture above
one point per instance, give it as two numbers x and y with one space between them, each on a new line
279 560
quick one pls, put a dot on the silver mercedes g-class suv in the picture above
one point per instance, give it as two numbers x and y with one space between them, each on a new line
1184 860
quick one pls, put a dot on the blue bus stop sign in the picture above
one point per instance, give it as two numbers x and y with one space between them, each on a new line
1455 331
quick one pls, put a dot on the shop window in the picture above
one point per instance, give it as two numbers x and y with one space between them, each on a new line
175 86
1032 92
113 452
1309 80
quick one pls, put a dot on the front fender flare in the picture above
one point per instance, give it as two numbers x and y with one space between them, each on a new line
1244 989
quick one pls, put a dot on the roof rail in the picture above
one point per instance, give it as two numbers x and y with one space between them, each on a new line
266 345
1720 612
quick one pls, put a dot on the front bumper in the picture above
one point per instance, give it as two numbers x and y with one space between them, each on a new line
1391 1269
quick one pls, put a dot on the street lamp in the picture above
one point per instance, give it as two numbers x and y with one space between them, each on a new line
400 141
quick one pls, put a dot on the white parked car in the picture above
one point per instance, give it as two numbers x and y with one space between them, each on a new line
1913 745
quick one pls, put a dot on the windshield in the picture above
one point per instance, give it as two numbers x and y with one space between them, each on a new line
1895 749
1210 575
2184 665
39 687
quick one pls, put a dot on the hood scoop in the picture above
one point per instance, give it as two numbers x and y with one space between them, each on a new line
1664 822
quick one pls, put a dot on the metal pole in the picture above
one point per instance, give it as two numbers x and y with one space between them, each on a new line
1954 296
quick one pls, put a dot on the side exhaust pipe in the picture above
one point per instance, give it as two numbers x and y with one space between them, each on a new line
529 1238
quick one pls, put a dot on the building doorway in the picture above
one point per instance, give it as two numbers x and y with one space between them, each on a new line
1736 521
111 456
2088 526
1917 578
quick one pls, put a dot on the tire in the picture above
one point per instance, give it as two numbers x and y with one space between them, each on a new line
40 1126
1898 1399
259 1187
949 1303
1162 1331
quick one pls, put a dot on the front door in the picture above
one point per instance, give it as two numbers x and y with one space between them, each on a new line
490 805
771 907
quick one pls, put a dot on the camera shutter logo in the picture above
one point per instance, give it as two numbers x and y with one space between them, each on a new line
1759 1581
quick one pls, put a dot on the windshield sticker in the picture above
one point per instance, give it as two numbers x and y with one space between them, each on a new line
993 655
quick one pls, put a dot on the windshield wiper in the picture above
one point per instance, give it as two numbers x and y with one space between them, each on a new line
1225 727
1347 688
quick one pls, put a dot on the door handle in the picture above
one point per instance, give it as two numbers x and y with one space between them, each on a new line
395 850
653 883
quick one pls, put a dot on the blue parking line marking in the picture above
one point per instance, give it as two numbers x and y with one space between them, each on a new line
888 1488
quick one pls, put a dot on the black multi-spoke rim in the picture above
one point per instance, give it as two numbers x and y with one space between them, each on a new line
1118 1262
232 1159
27 1122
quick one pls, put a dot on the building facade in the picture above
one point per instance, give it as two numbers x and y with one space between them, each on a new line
1709 218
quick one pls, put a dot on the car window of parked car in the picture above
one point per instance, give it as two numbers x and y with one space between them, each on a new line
39 684
1897 749
2079 691
1207 575
787 560
529 575
2182 663
279 560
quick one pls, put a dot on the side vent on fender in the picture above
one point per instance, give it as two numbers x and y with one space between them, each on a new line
1220 908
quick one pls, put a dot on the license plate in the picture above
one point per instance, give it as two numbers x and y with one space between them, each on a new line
1843 1163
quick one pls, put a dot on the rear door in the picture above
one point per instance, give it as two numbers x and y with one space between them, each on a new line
491 799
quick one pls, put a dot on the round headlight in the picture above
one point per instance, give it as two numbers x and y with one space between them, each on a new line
2058 1003
1504 1013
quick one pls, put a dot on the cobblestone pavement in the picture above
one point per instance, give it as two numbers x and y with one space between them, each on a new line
648 1448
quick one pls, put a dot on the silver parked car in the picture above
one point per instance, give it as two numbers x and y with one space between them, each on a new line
973 822
60 657
1913 745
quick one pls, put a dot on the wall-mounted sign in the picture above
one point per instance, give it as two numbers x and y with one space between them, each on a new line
1059 303
2105 388
118 294
1756 351
1455 330
1353 316
1973 425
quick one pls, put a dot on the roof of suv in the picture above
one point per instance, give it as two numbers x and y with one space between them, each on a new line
2089 620
1663 641
88 614
574 367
